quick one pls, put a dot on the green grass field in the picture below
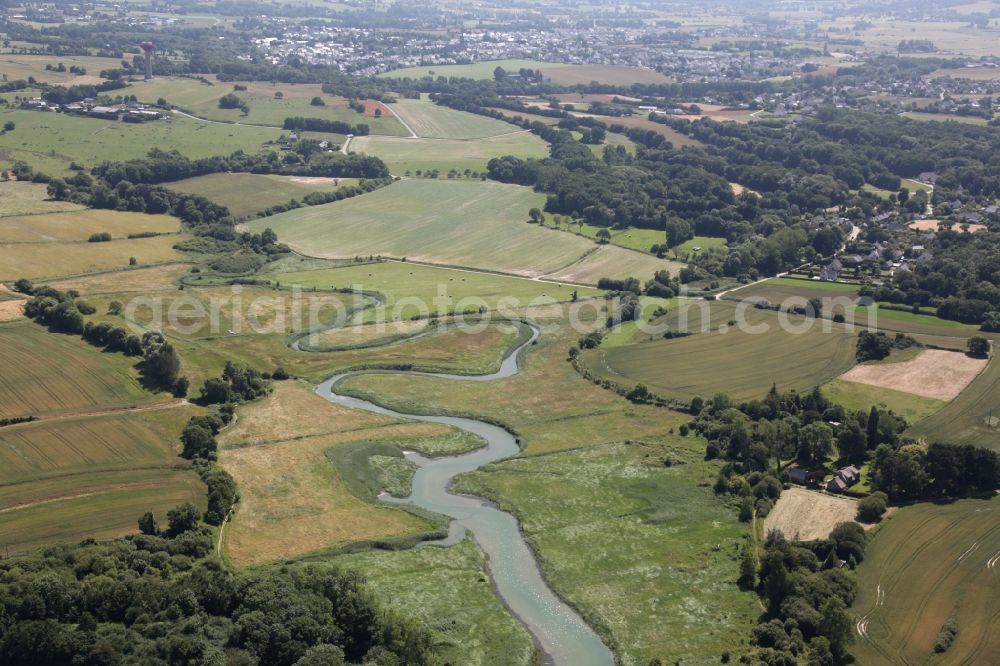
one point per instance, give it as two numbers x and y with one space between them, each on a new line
645 551
948 548
945 117
35 381
614 262
971 418
407 285
18 66
245 193
776 290
566 75
78 225
860 397
460 222
405 156
50 141
476 70
449 591
628 540
199 99
429 120
707 363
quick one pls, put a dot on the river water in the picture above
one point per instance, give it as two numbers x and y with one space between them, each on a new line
560 632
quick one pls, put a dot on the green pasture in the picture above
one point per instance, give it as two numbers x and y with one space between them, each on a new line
50 141
202 100
455 222
408 156
429 120
860 397
409 288
476 70
741 363
449 591
245 193
645 551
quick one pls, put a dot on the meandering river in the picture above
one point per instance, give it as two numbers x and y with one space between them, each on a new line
564 638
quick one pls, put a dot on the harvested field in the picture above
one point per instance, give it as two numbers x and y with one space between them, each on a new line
24 198
12 309
128 280
39 260
35 382
805 515
932 225
934 373
293 411
79 225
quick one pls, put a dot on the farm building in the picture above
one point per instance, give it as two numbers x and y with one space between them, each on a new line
844 479
805 477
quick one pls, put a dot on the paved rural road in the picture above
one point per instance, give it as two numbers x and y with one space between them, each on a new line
562 635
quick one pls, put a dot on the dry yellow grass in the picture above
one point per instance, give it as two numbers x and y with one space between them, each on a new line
11 310
934 373
133 280
293 502
353 335
932 225
24 198
806 514
39 260
293 410
78 225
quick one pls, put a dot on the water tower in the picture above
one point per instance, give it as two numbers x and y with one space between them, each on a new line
147 48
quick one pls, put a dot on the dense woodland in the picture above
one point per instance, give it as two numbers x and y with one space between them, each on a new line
163 598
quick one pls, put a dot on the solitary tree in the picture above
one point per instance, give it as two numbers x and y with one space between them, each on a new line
499 74
536 215
147 524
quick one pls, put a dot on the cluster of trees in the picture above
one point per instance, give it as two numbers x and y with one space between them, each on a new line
64 311
300 124
161 598
807 592
913 471
758 437
961 279
161 166
876 345
238 383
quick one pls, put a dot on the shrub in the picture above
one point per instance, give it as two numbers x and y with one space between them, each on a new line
102 237
871 508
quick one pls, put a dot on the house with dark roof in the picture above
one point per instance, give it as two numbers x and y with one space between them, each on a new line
805 477
844 479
